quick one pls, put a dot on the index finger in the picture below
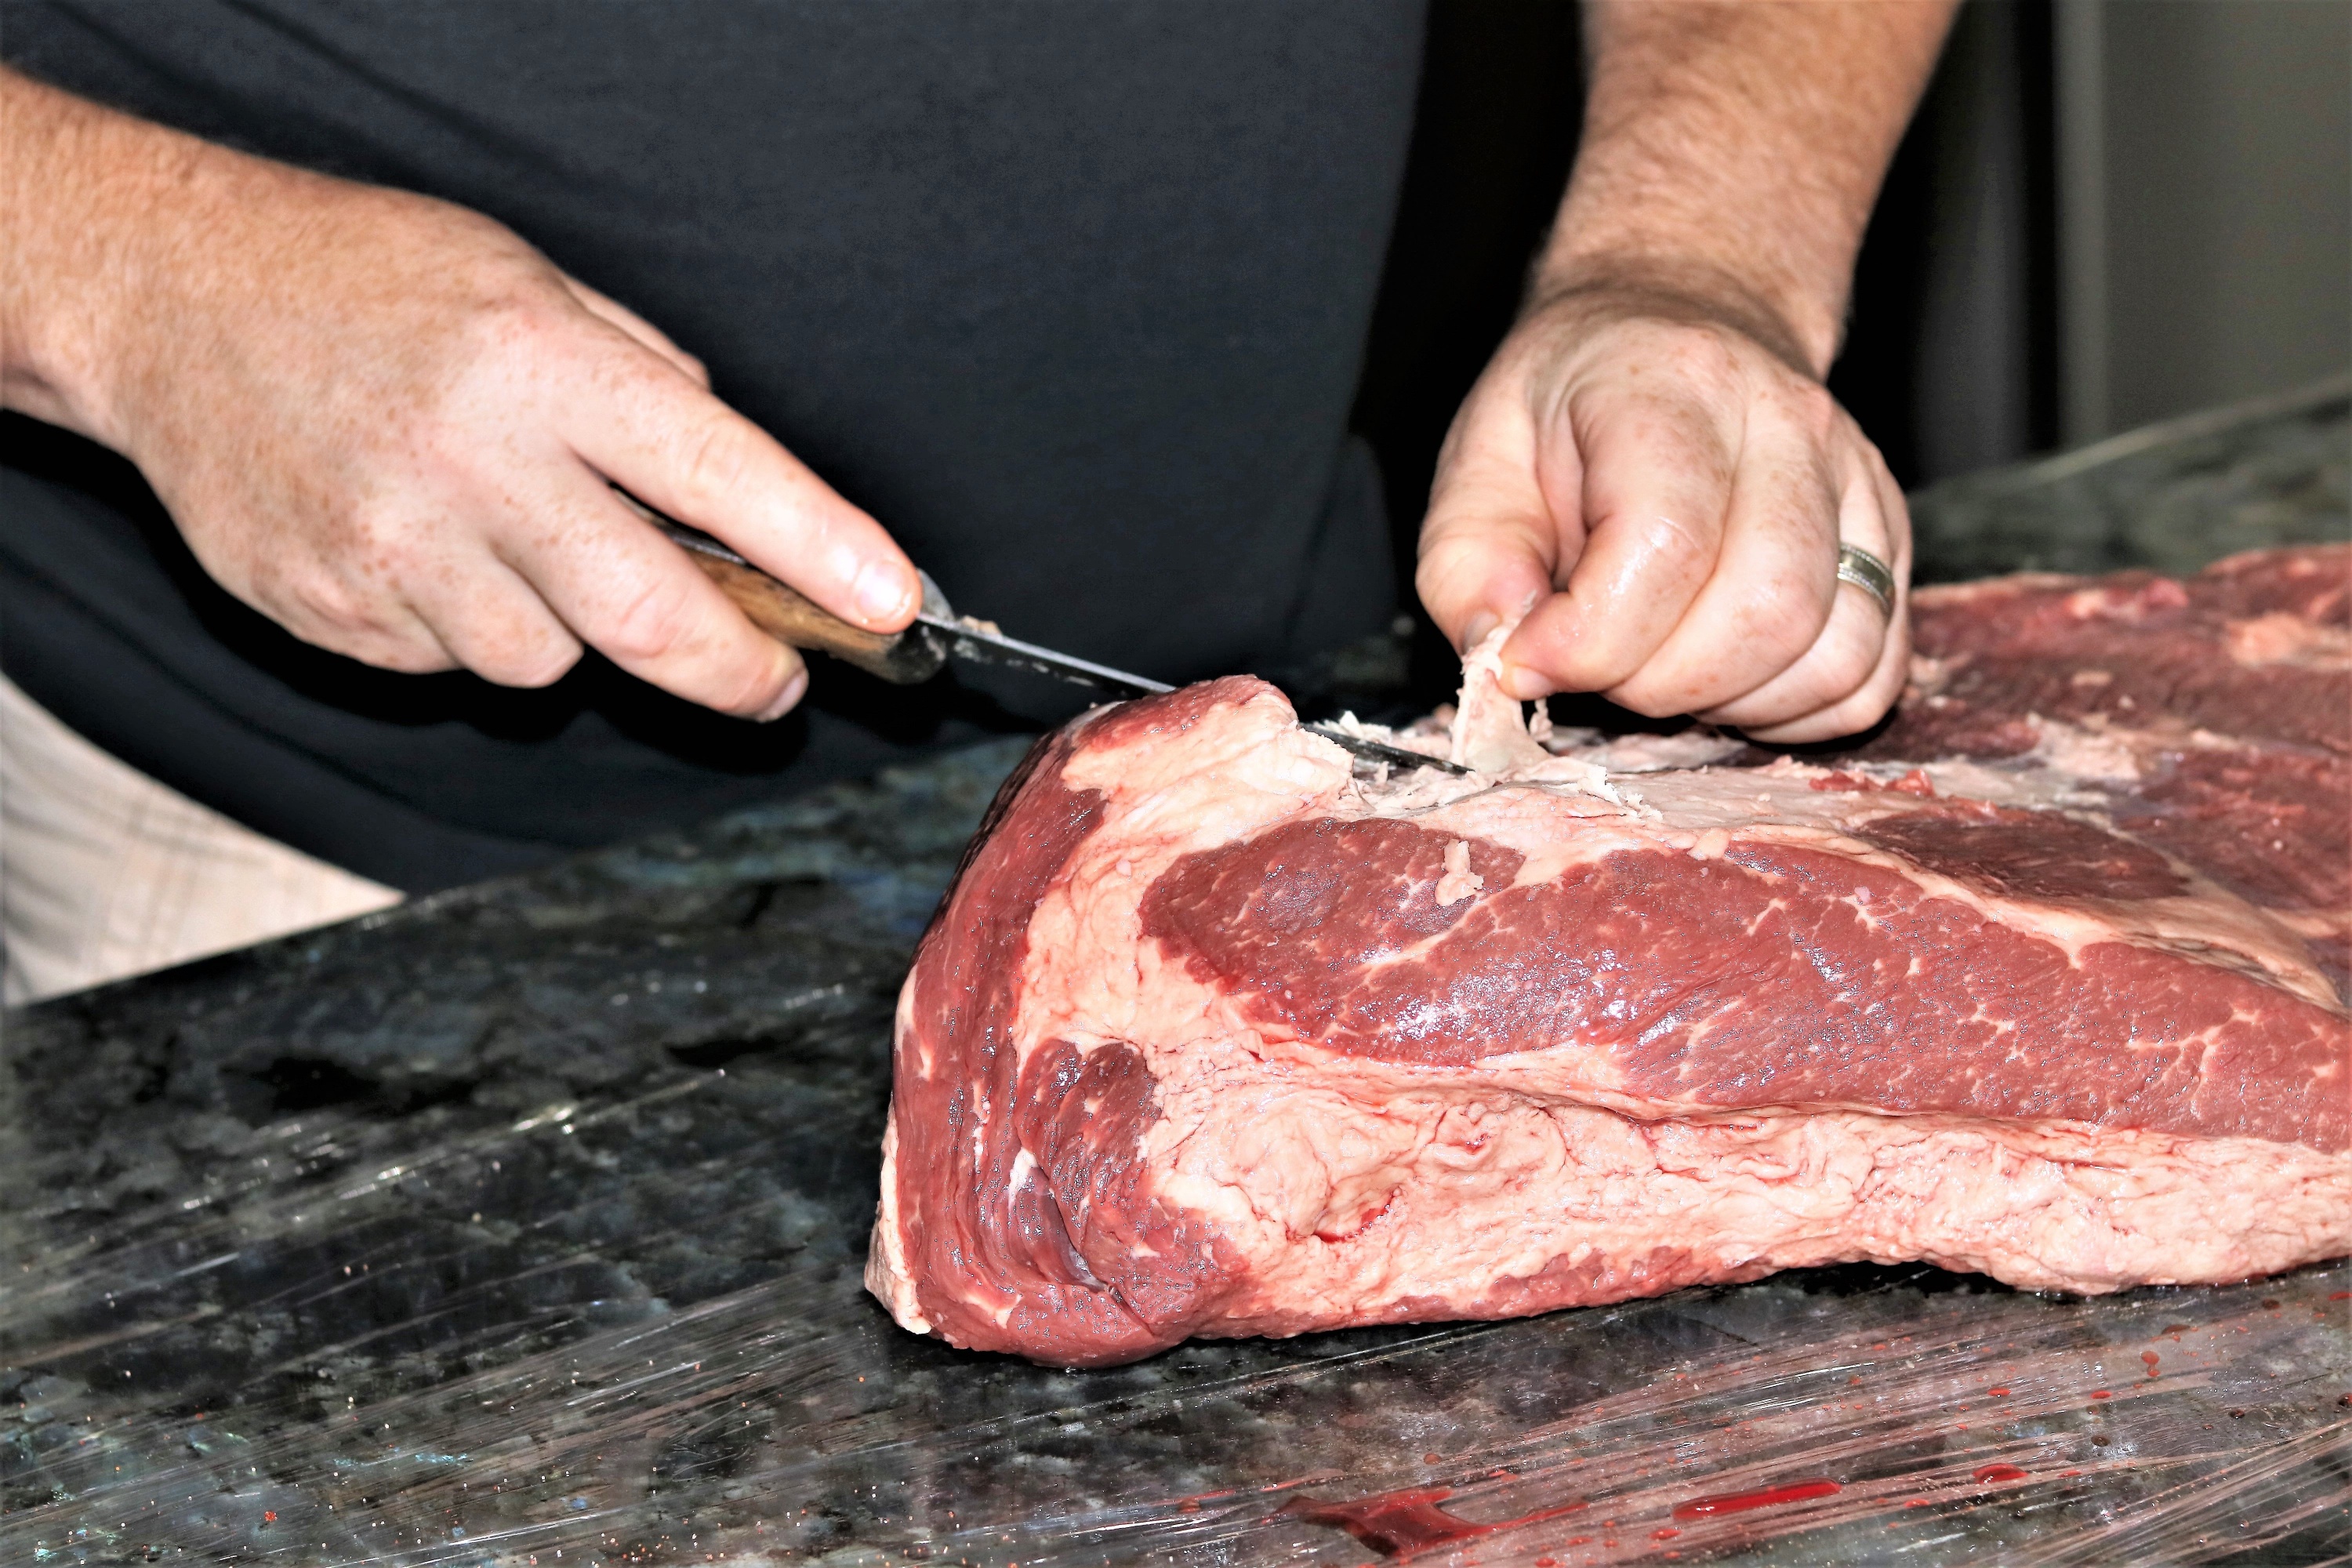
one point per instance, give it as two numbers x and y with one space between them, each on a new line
684 452
638 599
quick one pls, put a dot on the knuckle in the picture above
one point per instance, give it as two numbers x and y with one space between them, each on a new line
369 554
512 318
405 656
1430 578
1839 672
756 686
328 603
1445 555
1704 356
1789 642
716 457
1675 544
352 617
371 642
1852 664
654 622
1782 619
535 662
1809 406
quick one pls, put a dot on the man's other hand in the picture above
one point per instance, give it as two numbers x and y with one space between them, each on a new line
1651 470
388 422
1663 497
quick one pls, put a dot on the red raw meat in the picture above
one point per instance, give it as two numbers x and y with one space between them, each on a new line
1214 1037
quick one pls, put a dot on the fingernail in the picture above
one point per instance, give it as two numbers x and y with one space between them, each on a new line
881 590
786 700
1481 623
1522 683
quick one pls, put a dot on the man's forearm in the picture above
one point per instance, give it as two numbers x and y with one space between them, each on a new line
114 224
73 176
1732 152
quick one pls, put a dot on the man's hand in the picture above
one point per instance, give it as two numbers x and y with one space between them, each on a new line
1685 490
388 422
1651 470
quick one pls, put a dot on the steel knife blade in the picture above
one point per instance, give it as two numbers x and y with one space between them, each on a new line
983 643
938 635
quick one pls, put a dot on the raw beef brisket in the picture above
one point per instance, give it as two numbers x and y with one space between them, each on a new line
1215 1035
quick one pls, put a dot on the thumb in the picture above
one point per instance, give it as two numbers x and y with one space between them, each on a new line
1490 545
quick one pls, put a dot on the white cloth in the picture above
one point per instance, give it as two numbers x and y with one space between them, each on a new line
106 873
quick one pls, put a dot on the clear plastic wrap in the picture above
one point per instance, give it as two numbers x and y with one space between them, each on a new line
525 1227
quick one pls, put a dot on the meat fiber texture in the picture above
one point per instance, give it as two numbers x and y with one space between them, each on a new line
1216 1035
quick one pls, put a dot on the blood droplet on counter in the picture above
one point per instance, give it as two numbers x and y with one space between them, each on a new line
1404 1524
2341 1296
2102 1394
2000 1473
1997 1392
1770 1497
1667 1535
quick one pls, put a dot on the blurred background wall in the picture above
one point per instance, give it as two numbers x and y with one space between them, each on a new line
2106 213
2205 233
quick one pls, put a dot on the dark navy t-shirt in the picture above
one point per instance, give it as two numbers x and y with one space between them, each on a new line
1070 294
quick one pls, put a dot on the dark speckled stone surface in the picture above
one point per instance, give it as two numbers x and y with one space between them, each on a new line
2169 498
523 1225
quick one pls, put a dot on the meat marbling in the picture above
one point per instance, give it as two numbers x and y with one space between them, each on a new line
1215 1036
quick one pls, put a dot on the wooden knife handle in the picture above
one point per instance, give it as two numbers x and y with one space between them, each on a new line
903 658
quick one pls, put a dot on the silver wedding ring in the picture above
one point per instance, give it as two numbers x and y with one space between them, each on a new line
1869 573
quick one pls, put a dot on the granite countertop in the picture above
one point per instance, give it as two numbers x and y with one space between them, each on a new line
523 1224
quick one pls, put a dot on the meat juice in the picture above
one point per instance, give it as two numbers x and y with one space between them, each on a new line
1406 1523
1765 1497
